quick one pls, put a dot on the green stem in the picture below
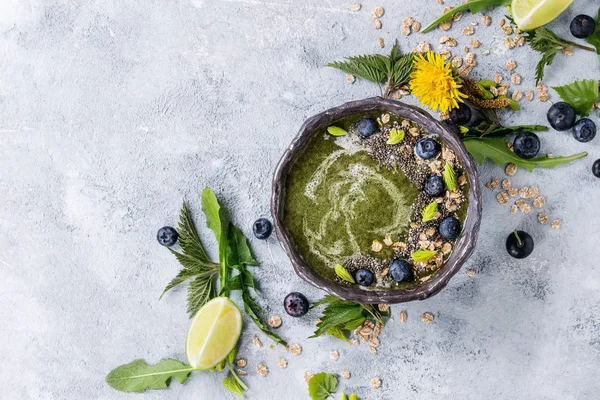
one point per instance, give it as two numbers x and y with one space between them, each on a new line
582 47
237 378
445 17
519 242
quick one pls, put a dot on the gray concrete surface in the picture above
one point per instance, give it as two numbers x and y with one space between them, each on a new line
112 112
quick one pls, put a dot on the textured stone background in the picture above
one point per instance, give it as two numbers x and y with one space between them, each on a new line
112 112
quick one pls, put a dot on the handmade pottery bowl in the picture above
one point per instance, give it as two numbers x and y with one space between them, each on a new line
464 245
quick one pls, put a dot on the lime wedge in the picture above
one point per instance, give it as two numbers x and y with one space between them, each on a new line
531 14
214 332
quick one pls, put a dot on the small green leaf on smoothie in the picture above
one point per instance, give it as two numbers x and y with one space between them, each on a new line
423 255
450 177
336 131
396 136
430 211
344 274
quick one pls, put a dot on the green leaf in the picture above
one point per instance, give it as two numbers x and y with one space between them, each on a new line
396 136
336 131
254 311
373 68
200 291
322 385
343 396
138 376
353 396
429 212
238 251
423 255
216 216
549 44
344 274
337 313
337 333
580 94
450 177
188 237
402 69
496 150
594 39
474 6
355 323
233 386
488 129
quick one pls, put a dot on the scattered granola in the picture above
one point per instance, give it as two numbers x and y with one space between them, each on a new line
511 65
403 316
334 355
350 78
295 349
241 372
529 95
445 26
380 42
517 95
355 7
510 169
377 12
376 246
345 374
506 183
257 342
475 43
539 202
543 218
282 363
556 224
427 317
375 383
307 376
372 350
377 23
262 369
275 321
502 197
241 363
471 272
468 30
486 20
515 79
423 47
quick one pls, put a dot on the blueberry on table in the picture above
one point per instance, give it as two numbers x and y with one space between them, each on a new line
262 228
427 148
582 26
526 145
434 186
400 271
449 228
295 304
561 116
367 126
596 168
364 277
584 130
461 115
167 236
519 244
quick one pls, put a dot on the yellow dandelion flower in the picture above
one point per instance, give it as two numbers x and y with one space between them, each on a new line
433 84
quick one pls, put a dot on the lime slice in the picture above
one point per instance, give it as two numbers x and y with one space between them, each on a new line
214 332
531 14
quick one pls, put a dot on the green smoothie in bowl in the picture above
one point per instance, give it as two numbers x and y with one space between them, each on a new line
374 201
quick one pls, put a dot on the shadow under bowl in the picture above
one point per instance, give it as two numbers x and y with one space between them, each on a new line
464 245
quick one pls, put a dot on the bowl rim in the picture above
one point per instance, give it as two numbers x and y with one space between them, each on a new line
463 247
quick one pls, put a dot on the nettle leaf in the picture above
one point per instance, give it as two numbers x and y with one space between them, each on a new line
200 291
496 150
403 67
582 95
474 6
450 177
337 332
430 211
322 385
396 136
138 376
336 131
594 39
343 273
423 255
233 386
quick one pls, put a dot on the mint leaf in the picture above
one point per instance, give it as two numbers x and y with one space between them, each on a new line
450 177
343 273
233 386
594 39
396 136
423 255
138 376
474 6
580 94
336 131
322 385
496 150
429 211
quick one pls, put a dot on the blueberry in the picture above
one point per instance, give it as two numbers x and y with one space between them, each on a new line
584 130
427 148
262 228
400 270
582 26
519 244
526 145
364 277
367 126
596 168
295 304
434 186
561 116
461 115
167 236
449 228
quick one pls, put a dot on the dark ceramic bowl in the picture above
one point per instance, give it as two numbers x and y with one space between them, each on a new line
464 245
